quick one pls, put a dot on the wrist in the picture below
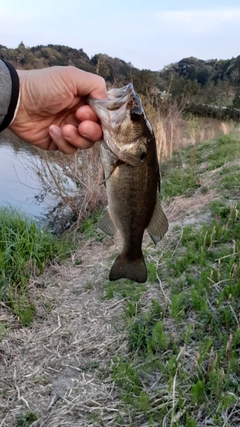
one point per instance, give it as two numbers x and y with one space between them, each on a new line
14 97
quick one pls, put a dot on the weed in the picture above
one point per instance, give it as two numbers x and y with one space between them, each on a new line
225 150
179 181
231 181
126 376
124 289
146 332
88 227
24 251
27 315
178 305
198 392
132 308
3 330
182 174
152 271
26 420
204 190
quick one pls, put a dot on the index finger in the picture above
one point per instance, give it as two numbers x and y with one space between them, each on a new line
88 84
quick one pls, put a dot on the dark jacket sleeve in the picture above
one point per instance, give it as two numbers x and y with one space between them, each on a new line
9 93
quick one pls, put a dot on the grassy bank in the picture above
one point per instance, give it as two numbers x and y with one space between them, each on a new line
25 250
182 367
164 353
182 363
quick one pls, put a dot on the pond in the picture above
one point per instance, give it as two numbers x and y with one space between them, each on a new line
55 189
19 186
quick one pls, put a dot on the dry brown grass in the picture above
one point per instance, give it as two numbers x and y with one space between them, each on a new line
181 206
173 131
74 183
53 368
60 367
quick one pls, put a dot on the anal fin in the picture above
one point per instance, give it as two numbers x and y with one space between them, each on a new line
158 225
106 224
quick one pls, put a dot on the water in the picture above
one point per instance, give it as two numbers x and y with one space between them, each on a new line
19 186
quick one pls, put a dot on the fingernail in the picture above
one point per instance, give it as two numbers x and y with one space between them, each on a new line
70 134
55 130
89 132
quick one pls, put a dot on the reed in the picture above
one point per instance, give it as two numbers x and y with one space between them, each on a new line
74 183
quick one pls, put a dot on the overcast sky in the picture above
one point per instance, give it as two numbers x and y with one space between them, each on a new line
147 33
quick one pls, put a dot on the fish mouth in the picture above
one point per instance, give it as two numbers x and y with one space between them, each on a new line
114 109
119 95
122 103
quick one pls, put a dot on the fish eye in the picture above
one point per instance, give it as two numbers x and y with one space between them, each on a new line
143 156
136 115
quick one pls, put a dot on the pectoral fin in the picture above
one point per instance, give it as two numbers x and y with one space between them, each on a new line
158 225
118 163
106 224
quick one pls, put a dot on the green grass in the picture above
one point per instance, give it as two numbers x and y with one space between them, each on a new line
193 350
178 182
182 364
215 153
25 250
89 228
25 420
128 290
182 175
226 149
230 181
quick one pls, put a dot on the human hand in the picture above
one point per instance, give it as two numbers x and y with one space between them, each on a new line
53 114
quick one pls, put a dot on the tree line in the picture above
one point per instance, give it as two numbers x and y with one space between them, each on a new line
204 87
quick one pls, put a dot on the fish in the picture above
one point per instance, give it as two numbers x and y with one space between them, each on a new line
132 179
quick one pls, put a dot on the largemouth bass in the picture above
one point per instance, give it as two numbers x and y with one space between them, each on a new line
132 179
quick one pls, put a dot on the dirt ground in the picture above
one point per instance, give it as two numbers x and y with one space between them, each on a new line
53 368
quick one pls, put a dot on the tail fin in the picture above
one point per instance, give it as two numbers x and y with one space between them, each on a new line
128 269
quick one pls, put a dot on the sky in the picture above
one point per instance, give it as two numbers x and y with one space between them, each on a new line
148 33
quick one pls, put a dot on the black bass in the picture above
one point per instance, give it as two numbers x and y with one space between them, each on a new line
132 179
